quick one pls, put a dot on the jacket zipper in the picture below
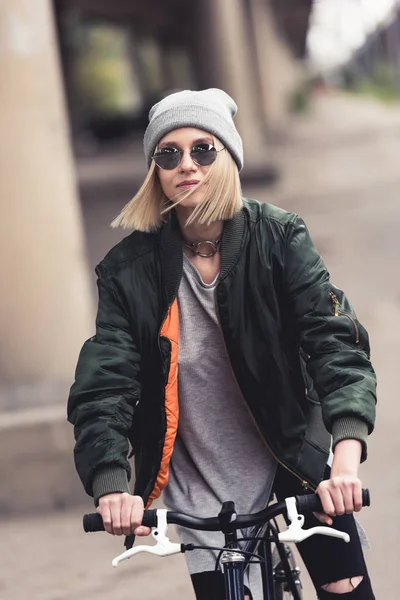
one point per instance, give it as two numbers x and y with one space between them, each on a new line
338 312
306 485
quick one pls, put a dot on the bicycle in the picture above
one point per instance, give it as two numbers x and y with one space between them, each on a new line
280 575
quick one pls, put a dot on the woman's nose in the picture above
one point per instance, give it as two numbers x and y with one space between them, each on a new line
187 163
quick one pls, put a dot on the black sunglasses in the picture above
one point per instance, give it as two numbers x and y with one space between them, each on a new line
169 157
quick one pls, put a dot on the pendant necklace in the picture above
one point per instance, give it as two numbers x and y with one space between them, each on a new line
205 248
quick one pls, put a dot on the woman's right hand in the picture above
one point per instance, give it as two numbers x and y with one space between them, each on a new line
122 514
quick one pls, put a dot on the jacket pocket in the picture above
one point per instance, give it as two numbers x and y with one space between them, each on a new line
338 311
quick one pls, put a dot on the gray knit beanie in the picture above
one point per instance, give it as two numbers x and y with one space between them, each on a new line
211 110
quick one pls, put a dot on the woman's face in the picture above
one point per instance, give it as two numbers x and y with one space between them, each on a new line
187 175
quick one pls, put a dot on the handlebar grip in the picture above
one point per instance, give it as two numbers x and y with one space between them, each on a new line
150 518
93 521
366 498
312 502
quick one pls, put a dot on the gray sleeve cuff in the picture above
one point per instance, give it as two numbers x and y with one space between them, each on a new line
350 428
109 480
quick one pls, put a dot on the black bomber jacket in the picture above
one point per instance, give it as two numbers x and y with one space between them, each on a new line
297 350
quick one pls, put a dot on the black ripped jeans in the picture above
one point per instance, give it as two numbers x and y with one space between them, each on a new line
327 559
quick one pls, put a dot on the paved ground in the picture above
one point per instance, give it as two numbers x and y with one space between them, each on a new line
341 173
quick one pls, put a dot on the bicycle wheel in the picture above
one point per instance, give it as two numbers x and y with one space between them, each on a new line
281 584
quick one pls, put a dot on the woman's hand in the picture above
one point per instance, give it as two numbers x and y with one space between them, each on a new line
122 514
342 492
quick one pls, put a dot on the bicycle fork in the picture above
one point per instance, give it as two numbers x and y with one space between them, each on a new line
233 562
233 568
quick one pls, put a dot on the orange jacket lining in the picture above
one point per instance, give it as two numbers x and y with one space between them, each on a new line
170 329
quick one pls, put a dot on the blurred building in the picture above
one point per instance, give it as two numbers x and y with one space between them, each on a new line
377 60
358 39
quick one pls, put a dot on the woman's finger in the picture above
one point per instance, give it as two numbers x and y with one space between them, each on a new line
142 530
104 511
126 511
325 519
335 486
137 517
324 494
357 496
348 487
115 508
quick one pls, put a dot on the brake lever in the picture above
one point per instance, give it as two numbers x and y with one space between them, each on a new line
295 531
163 547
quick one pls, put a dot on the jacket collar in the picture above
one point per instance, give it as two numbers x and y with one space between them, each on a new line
171 250
171 256
232 242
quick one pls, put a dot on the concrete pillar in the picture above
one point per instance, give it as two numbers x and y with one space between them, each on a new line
223 48
68 21
138 77
46 310
277 70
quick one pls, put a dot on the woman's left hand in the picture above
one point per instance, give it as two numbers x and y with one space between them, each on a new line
342 492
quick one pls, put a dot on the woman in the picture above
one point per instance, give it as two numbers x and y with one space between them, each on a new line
234 294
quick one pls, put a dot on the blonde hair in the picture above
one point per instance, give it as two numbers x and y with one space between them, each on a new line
222 199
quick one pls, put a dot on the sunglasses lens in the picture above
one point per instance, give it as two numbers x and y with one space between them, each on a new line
204 157
168 160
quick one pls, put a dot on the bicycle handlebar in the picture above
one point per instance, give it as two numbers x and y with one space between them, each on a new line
305 504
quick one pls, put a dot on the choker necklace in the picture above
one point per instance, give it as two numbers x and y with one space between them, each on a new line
205 249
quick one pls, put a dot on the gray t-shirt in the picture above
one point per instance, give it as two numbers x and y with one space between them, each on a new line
219 454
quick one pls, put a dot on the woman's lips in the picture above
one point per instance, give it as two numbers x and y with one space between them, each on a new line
188 184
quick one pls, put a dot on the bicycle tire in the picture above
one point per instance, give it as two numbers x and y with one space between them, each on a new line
281 587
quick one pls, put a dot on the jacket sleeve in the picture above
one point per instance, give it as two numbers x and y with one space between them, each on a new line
106 390
330 334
